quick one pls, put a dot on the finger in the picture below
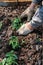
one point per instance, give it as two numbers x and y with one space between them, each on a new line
20 32
29 18
22 15
21 29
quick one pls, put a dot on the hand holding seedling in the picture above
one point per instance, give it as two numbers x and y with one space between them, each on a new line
33 22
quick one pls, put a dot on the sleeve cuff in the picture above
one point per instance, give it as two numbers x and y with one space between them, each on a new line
35 1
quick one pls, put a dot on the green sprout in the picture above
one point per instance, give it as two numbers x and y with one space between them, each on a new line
13 41
11 59
0 25
16 23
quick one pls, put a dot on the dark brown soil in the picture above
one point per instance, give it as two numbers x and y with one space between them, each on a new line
31 52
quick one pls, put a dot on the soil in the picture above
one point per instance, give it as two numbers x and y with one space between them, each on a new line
31 51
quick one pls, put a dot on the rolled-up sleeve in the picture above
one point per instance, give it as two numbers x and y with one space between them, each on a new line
37 1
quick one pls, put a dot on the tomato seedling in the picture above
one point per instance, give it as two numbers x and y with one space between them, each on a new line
16 23
11 59
13 41
0 25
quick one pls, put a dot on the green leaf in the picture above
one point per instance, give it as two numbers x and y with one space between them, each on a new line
0 25
14 42
15 63
11 53
16 23
37 40
3 61
10 59
0 63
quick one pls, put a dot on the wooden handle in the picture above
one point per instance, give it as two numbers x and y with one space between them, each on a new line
24 0
14 0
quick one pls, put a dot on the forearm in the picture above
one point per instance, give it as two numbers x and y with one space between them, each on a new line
29 11
32 6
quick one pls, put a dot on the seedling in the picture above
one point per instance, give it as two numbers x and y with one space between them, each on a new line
13 41
0 63
16 23
0 25
11 59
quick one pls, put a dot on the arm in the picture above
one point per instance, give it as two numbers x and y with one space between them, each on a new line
37 1
29 11
27 28
34 4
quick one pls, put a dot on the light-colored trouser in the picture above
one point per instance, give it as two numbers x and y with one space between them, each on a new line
37 19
